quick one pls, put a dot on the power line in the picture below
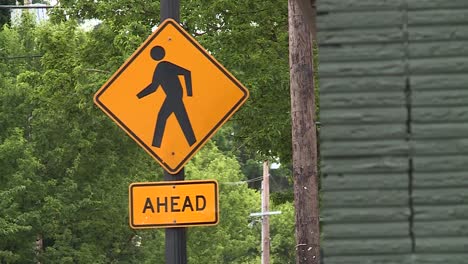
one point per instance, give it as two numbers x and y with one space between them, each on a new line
25 7
21 57
246 181
254 179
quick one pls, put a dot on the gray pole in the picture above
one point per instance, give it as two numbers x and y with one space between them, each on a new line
170 9
176 238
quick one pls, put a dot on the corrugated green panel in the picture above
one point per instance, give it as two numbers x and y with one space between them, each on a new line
442 245
440 179
440 163
367 36
440 228
366 246
364 115
438 114
431 33
438 4
437 196
370 259
366 230
438 17
372 19
349 69
439 65
440 212
364 148
439 81
365 198
448 130
364 100
365 165
436 49
348 5
448 258
363 83
438 146
365 181
347 132
440 98
365 215
359 84
356 52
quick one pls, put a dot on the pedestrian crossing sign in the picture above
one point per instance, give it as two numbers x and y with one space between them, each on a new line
171 96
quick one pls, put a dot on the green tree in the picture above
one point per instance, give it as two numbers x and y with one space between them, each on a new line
19 170
4 12
283 243
66 167
231 241
248 37
236 243
20 167
72 186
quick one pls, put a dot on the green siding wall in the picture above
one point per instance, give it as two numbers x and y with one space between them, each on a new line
394 130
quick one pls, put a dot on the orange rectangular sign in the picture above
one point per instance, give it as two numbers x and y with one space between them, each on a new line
173 204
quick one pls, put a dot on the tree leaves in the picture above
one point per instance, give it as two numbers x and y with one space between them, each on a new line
65 167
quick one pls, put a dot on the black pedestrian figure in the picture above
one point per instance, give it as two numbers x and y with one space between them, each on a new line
166 75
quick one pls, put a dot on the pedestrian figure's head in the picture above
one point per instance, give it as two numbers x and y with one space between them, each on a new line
157 53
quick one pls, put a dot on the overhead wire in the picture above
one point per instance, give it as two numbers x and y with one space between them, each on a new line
241 182
26 7
21 57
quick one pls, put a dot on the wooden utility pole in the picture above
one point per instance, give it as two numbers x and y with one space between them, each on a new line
301 19
265 217
265 213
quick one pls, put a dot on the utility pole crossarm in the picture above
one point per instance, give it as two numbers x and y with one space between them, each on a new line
265 213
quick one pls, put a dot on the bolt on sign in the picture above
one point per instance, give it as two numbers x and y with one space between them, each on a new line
171 96
173 204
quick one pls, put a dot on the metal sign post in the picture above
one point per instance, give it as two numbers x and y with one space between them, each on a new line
176 238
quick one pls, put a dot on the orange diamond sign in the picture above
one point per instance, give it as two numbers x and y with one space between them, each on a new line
171 96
